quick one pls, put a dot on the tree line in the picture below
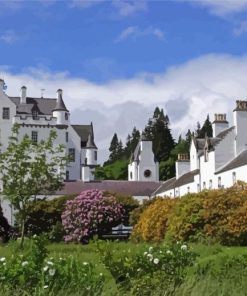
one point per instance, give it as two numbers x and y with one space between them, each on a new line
165 147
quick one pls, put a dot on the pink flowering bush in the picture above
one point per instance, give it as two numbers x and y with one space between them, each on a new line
90 213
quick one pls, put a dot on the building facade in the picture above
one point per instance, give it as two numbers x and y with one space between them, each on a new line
215 162
36 117
143 166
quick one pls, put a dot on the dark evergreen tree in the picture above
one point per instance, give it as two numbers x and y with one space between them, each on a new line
206 129
113 148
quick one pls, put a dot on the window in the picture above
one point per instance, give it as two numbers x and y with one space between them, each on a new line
5 113
35 115
234 179
210 184
35 136
72 154
131 175
147 173
67 137
177 193
219 182
66 116
67 175
188 189
204 185
198 187
95 155
86 161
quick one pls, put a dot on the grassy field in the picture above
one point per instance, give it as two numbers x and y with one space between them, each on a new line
218 270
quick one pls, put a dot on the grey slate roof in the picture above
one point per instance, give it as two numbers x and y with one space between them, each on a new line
222 134
44 105
83 132
174 183
90 142
133 188
238 161
60 106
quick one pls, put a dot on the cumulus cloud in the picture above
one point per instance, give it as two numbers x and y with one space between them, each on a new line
241 29
220 7
188 92
9 37
135 32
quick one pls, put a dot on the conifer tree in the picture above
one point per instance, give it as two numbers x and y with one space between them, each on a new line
206 129
113 148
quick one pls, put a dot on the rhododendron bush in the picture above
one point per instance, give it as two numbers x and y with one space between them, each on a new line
90 213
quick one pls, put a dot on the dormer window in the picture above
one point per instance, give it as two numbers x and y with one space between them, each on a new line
35 115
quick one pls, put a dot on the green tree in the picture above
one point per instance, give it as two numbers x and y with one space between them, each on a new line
206 129
113 148
29 169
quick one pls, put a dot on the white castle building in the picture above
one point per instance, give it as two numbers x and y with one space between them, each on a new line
213 162
37 117
143 166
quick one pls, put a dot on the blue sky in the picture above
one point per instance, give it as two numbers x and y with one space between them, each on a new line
116 60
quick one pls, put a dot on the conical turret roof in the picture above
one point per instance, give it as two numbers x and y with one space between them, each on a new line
60 106
90 142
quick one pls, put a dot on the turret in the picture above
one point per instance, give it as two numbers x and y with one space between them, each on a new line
91 149
60 111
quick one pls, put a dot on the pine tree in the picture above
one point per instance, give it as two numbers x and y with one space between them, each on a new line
113 148
206 129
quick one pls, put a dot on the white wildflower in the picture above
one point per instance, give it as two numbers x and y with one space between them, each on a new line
184 247
85 263
160 252
156 261
35 235
49 263
101 274
150 249
145 253
150 256
139 269
168 252
2 259
52 272
46 268
24 263
45 287
4 263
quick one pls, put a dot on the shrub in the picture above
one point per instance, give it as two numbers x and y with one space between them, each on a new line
44 216
90 213
152 224
186 222
136 213
4 227
156 271
128 203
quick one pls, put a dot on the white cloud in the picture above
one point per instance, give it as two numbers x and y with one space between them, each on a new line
129 7
9 37
135 32
241 29
187 92
221 7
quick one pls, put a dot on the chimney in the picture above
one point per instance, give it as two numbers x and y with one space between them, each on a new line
1 85
219 124
240 123
59 93
182 165
23 95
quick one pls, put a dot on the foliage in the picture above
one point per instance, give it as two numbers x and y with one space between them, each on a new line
118 170
186 222
44 215
157 271
29 169
128 203
4 227
34 273
215 215
206 129
90 213
152 224
136 213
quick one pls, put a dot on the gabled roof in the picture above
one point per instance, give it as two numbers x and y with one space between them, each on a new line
133 188
83 132
238 161
60 106
173 183
44 105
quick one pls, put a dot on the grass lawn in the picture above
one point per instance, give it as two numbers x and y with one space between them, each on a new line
218 270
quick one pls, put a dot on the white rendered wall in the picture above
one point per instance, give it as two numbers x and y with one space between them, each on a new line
218 127
182 167
132 170
74 167
240 122
207 169
146 159
90 152
194 163
60 116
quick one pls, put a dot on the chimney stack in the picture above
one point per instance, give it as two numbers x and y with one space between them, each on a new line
23 95
219 124
59 93
240 123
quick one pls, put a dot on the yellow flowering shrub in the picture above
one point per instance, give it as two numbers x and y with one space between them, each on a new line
152 224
